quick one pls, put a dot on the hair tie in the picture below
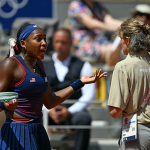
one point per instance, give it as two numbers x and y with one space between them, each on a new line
12 43
16 48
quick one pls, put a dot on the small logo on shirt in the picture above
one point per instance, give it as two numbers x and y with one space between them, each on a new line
144 70
45 79
32 80
35 26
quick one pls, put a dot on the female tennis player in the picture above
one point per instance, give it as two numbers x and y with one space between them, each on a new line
24 73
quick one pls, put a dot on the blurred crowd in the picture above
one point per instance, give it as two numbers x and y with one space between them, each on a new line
93 30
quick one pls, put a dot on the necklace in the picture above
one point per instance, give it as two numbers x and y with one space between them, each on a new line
33 67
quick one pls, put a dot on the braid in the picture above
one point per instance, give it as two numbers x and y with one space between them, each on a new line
17 48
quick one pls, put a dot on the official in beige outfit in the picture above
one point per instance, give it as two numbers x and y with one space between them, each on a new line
131 81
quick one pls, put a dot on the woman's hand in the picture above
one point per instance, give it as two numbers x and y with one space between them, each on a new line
11 105
91 79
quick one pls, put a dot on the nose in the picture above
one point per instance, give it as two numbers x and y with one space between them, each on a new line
44 43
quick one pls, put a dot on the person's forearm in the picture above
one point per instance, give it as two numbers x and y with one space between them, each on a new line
77 107
52 99
115 112
62 95
58 97
1 110
92 23
111 22
115 23
95 24
115 56
103 26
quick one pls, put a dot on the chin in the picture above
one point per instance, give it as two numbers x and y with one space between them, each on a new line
40 57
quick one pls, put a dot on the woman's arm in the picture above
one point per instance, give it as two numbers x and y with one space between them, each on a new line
115 112
115 56
9 75
109 24
112 22
53 99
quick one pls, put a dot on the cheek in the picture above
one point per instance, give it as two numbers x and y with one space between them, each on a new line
123 44
125 50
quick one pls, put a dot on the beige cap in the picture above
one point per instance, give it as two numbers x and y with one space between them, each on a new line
143 8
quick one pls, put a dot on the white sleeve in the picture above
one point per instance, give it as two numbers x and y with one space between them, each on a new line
88 91
116 43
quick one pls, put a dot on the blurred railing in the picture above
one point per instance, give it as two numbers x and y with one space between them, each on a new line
45 118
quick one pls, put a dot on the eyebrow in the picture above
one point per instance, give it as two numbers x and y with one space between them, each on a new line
40 34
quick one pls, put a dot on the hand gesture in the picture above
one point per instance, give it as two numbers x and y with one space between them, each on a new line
53 114
91 79
59 114
11 105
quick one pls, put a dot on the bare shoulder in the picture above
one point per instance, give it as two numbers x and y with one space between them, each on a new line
9 64
9 73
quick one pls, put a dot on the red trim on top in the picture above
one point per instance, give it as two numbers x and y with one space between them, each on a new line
22 120
41 68
22 80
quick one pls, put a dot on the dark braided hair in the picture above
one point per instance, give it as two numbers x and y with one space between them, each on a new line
17 40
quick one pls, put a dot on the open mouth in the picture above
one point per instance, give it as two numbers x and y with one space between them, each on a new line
42 52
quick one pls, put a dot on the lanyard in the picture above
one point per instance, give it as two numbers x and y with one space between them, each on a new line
146 99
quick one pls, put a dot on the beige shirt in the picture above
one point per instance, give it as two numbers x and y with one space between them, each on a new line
130 85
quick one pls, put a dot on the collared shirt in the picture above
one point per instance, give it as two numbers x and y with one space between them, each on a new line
130 85
88 91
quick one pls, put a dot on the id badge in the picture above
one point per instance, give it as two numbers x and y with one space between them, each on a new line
129 127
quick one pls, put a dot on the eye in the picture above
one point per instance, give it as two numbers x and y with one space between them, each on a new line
38 39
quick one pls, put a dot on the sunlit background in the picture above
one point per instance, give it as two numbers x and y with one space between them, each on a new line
51 14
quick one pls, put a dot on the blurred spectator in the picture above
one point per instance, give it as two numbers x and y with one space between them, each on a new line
141 12
61 71
88 21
